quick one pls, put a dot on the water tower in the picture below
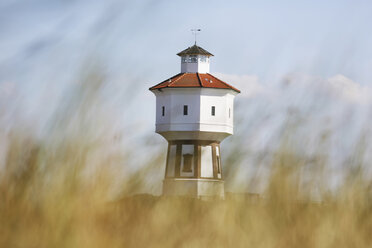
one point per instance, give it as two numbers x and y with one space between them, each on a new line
194 113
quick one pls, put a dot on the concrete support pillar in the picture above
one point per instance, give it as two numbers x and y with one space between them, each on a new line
194 169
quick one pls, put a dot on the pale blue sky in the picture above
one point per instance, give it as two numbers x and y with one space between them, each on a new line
266 38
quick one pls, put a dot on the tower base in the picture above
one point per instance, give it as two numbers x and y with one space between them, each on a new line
194 187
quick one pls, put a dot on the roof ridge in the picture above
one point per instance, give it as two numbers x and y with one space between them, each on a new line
224 83
178 78
165 80
200 82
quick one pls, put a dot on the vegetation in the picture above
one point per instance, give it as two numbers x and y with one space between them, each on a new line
58 192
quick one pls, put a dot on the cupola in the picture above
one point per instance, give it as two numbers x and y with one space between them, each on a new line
195 60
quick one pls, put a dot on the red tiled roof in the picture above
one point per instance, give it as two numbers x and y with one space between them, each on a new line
194 80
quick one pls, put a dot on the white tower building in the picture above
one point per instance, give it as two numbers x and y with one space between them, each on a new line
194 113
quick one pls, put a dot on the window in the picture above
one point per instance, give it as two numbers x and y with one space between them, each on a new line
163 111
187 162
213 110
184 59
229 112
185 112
203 59
193 59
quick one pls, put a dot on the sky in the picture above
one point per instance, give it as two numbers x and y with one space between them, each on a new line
265 38
311 58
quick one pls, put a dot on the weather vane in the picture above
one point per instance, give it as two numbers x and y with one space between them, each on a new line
195 32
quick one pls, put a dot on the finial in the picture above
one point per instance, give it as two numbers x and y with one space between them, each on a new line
195 32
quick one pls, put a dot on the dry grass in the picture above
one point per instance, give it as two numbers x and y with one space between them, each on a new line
58 193
55 206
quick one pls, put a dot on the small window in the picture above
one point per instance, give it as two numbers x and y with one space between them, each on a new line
193 59
185 110
229 112
163 111
213 110
184 59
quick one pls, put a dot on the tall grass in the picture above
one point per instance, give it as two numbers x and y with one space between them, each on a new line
57 192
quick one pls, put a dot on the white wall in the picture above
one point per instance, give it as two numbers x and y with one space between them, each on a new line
200 66
203 67
199 102
189 67
174 100
163 100
178 100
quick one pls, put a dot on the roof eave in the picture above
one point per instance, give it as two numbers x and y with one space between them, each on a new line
193 87
194 50
183 54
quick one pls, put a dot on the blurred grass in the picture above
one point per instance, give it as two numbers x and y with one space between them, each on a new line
55 207
58 193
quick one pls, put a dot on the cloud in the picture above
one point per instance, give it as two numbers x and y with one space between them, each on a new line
318 117
349 90
247 84
335 88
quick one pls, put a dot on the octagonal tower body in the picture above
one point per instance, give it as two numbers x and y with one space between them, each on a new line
194 113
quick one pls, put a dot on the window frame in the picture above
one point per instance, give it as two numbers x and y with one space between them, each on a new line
193 59
185 110
213 111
